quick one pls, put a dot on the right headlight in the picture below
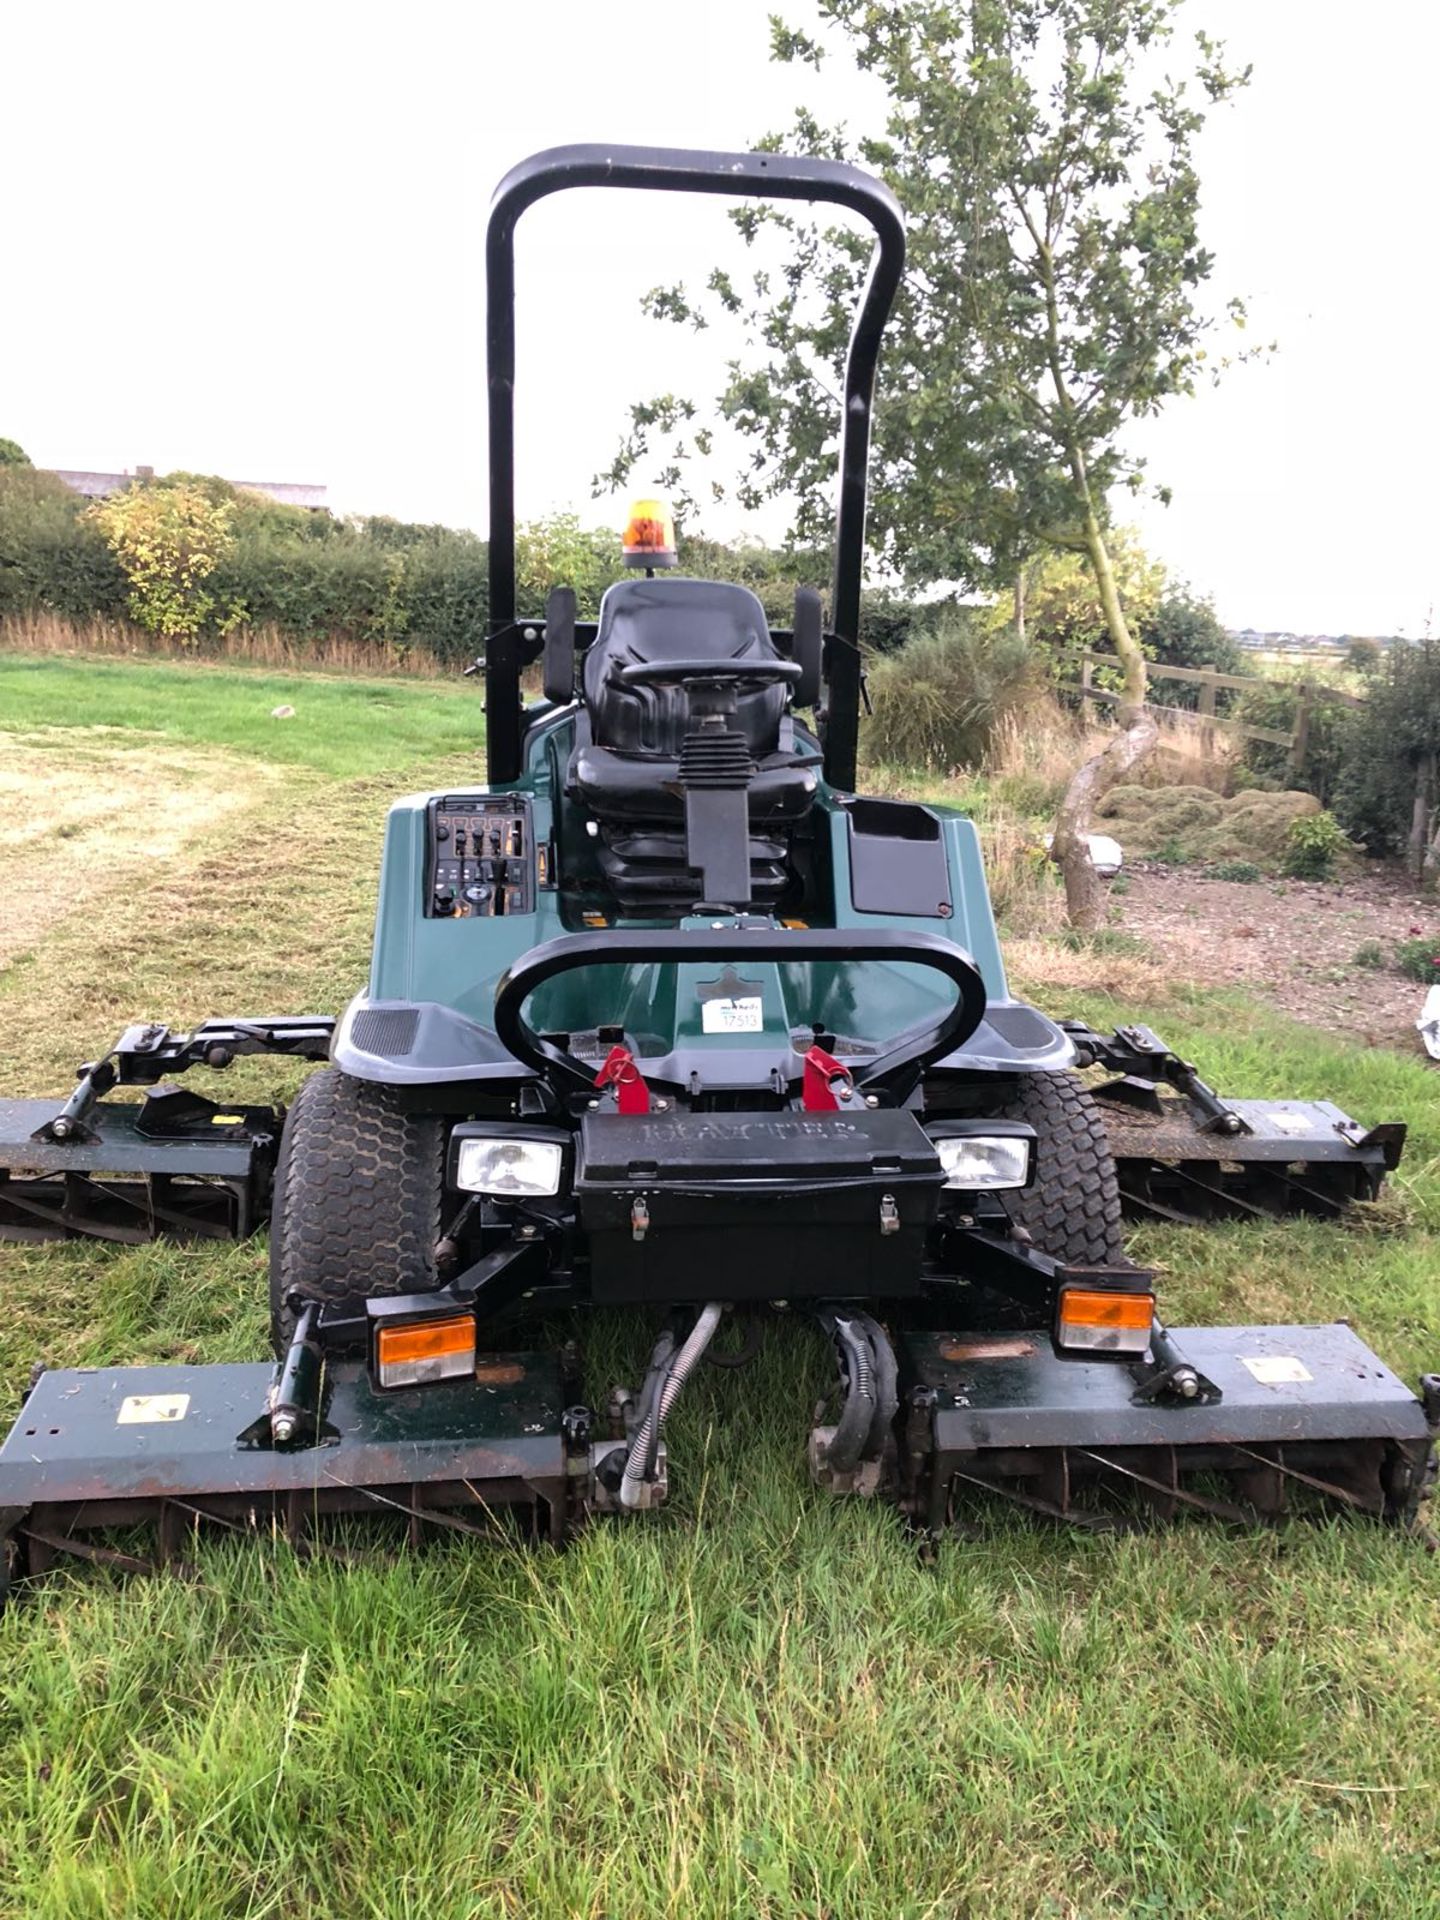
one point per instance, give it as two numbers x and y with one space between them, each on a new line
974 1162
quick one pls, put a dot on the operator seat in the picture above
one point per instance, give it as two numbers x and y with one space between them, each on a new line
627 774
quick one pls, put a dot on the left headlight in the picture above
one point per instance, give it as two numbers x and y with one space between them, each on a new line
978 1161
508 1168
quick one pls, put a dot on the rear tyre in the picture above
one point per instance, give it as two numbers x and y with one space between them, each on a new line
358 1187
1072 1212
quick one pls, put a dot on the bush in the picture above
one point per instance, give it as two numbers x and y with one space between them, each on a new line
1420 959
1243 872
393 584
938 699
1313 846
1370 955
168 541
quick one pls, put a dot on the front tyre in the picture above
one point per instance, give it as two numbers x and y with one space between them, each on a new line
1072 1211
358 1189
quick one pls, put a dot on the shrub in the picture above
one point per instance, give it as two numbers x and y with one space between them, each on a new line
168 540
1313 846
938 699
1370 955
1244 872
1420 959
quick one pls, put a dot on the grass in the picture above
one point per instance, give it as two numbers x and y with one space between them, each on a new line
341 725
53 633
761 1703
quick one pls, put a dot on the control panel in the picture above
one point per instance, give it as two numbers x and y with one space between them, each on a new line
482 857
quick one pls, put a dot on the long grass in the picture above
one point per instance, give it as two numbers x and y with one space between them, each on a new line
262 645
761 1703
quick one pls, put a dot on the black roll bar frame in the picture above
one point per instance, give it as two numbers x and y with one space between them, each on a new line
510 647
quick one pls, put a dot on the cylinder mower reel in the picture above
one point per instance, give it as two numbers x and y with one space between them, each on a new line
665 1016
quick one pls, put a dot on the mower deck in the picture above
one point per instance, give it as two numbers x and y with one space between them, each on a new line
1292 1416
169 1447
130 1180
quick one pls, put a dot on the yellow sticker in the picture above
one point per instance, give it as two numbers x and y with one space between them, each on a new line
227 1119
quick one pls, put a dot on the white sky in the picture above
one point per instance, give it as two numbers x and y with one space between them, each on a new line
247 241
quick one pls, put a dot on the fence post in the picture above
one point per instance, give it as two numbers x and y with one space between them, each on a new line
1300 739
1207 710
1087 672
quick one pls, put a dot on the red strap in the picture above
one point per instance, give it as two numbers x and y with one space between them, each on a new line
620 1071
823 1074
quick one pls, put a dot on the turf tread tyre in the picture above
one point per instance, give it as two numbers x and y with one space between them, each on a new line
1072 1212
358 1187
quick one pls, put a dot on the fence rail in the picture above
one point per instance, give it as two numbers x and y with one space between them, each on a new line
1296 739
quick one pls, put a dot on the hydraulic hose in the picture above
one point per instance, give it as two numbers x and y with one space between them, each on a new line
657 1402
887 1386
659 1359
852 1430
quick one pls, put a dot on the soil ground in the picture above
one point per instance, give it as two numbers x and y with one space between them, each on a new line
1292 941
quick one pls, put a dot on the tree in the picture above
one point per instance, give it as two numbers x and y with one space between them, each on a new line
1044 157
12 454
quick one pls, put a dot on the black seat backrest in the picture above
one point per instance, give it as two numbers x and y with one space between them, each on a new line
669 619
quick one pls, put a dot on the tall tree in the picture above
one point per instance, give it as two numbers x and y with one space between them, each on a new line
1043 151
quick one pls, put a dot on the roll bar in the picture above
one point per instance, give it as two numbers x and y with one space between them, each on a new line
766 176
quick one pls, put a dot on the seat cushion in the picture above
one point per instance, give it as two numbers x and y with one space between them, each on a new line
633 786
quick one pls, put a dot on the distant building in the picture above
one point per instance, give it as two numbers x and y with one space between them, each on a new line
290 493
1300 642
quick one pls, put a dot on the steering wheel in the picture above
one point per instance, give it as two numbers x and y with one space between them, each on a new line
648 673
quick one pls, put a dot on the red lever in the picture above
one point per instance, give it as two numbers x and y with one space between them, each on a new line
823 1075
620 1071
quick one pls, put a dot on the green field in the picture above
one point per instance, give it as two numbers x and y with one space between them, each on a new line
761 1702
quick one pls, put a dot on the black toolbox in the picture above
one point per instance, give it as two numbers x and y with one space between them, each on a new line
755 1206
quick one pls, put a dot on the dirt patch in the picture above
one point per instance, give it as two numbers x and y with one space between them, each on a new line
1293 941
84 813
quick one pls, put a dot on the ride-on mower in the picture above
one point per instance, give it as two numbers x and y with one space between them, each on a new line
665 1015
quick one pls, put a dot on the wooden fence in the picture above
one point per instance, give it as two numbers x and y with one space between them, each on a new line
1296 739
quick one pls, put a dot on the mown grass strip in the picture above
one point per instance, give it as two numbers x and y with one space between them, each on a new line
340 726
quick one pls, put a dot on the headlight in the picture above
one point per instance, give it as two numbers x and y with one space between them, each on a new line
508 1168
977 1160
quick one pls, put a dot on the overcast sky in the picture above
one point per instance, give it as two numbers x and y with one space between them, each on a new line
247 241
